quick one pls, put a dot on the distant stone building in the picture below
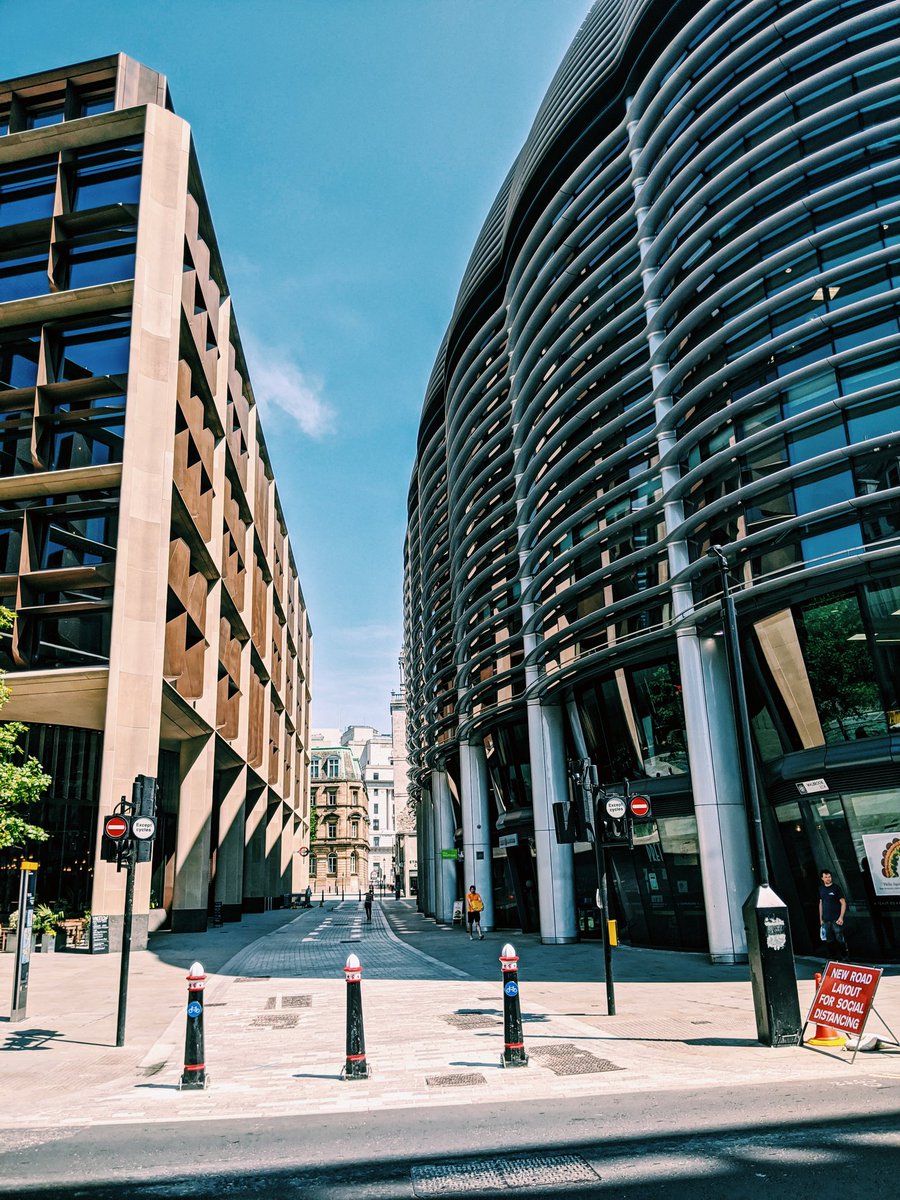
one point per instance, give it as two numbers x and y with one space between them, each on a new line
405 856
339 857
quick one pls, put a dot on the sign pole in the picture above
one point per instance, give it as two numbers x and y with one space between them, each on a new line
126 945
27 887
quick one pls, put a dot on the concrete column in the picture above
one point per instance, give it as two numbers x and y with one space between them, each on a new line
722 830
422 850
230 851
274 831
476 823
445 825
190 903
255 848
549 784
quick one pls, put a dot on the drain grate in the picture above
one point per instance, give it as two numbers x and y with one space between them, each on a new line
464 1020
568 1059
276 1021
251 978
302 1001
458 1080
499 1174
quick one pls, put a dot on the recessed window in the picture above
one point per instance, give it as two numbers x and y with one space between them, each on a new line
96 102
49 112
23 271
354 829
27 192
93 258
109 175
88 351
331 798
314 763
332 831
333 766
332 864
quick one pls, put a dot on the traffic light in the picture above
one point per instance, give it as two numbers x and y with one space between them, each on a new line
144 791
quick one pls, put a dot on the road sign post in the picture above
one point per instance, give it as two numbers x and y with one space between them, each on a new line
27 885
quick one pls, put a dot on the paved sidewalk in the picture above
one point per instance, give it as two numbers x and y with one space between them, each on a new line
275 1012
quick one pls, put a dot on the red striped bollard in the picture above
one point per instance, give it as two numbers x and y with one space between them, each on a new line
513 1041
355 1067
194 1075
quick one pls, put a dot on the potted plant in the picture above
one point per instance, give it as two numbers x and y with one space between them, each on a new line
44 922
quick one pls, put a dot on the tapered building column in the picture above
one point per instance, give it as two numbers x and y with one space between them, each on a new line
426 860
722 830
232 787
190 903
476 826
549 784
445 839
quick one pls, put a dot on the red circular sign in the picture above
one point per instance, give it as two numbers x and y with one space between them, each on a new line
640 806
115 827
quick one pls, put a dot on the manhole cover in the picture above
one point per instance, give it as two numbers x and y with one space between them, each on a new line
471 1021
499 1174
567 1059
251 978
459 1080
276 1020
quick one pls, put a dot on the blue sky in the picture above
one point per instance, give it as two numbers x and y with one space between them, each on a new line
350 151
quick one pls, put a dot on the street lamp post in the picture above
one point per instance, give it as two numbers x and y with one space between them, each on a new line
770 952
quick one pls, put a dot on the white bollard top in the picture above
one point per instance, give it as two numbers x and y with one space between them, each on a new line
197 970
352 962
508 951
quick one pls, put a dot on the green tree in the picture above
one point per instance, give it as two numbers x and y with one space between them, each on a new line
21 783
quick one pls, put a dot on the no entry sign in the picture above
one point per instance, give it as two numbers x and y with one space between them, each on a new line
845 997
115 827
639 805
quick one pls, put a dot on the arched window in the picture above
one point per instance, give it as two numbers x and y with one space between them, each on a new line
332 864
354 863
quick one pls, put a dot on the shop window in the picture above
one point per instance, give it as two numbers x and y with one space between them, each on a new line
27 192
107 175
23 272
659 715
840 669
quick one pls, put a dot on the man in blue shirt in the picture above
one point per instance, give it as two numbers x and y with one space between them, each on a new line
832 907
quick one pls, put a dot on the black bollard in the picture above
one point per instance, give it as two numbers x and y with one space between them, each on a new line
194 1075
322 898
342 895
355 1067
513 1042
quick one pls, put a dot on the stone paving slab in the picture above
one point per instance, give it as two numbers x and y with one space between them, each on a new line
681 1022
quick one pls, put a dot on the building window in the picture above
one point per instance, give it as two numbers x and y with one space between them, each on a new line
376 842
313 866
376 824
375 791
375 775
333 766
374 808
354 829
354 863
332 864
332 830
314 768
332 798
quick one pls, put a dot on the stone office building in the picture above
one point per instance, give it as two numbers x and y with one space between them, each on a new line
339 858
160 623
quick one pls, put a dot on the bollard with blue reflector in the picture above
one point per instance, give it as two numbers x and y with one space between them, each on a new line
194 1077
513 1039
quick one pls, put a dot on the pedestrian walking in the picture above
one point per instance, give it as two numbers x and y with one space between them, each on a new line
832 908
474 906
369 900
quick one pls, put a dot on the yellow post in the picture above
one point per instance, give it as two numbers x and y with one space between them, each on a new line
613 933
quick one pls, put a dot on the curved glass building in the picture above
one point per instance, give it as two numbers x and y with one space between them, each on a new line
678 329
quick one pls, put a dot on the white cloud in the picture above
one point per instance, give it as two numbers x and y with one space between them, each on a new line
279 383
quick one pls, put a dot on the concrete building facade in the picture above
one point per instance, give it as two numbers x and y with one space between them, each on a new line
160 623
678 330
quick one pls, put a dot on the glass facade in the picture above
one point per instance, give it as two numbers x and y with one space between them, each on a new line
679 329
